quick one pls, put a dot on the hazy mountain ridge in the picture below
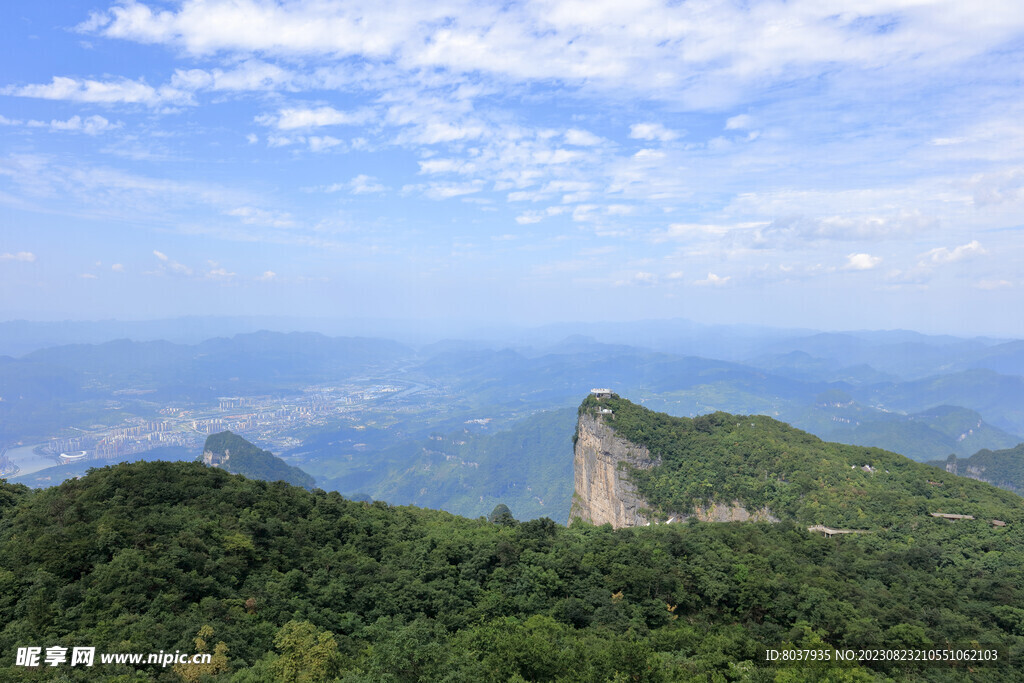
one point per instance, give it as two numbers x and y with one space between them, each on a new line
82 385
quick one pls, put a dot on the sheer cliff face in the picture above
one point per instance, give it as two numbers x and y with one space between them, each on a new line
604 493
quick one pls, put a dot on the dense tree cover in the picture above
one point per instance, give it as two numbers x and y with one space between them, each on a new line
1003 468
251 461
285 584
762 462
527 465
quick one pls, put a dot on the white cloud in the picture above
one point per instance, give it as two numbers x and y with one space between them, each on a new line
1001 187
436 132
179 268
321 143
117 268
364 184
990 285
861 261
295 118
25 256
91 125
942 255
704 53
267 276
713 280
649 155
581 138
686 232
529 217
445 190
361 184
282 140
169 266
447 166
122 91
89 276
640 278
739 122
250 75
463 121
652 131
253 216
801 229
644 277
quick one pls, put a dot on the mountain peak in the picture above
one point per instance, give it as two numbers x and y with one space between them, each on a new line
239 456
634 466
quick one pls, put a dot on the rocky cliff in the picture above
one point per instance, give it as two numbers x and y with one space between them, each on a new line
604 493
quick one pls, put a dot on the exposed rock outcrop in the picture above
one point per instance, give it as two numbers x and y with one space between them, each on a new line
728 512
604 493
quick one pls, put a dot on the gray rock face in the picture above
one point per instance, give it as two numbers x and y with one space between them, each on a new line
728 512
605 495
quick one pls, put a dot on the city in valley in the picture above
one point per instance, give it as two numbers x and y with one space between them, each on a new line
273 421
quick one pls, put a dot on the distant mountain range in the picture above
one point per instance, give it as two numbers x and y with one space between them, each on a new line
862 388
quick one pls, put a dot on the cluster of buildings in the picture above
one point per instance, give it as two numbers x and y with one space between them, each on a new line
262 417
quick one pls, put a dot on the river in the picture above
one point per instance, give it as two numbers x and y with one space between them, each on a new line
28 461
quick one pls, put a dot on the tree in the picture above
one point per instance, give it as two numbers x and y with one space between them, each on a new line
308 655
502 515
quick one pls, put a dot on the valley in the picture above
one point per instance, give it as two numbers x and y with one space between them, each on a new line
465 425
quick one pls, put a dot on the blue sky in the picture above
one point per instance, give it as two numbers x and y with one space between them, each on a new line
834 165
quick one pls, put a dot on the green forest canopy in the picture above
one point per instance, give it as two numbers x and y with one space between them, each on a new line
288 584
763 462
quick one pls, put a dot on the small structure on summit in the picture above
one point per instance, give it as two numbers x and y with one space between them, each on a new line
601 393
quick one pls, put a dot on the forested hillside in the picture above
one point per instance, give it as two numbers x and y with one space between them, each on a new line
239 456
285 584
762 462
525 466
1003 468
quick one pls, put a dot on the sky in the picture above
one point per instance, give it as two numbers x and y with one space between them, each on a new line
830 165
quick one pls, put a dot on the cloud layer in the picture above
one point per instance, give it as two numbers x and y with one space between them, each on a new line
729 149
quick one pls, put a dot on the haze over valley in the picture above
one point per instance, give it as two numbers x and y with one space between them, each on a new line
463 425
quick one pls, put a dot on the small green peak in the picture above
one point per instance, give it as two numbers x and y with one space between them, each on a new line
501 515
